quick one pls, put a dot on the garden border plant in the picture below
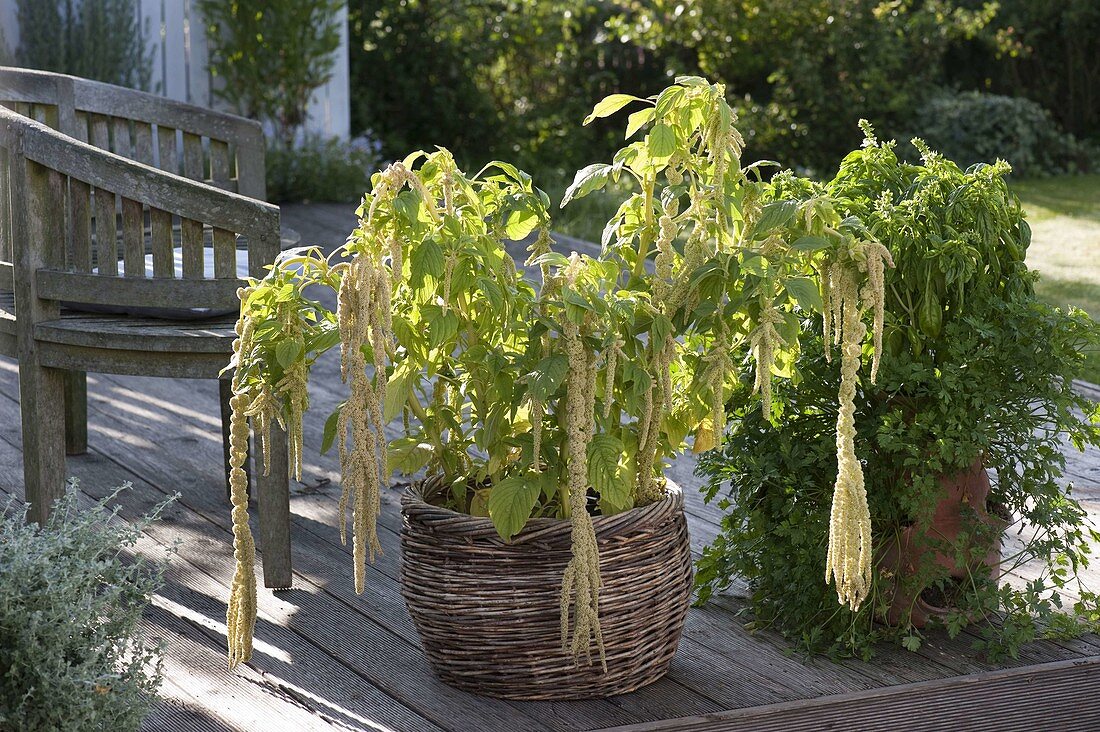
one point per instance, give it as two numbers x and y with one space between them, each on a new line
976 373
562 401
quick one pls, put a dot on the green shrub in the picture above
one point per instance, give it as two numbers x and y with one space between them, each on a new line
973 126
72 596
100 40
974 368
272 56
321 170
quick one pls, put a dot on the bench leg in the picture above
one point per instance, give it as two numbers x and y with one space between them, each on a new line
225 393
42 407
76 412
273 491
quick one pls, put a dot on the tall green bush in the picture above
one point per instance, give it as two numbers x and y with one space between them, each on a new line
272 56
70 654
102 40
973 126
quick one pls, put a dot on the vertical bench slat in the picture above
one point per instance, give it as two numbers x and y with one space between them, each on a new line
166 145
163 263
133 237
81 126
100 135
106 232
143 142
80 235
192 249
225 254
192 156
122 145
6 252
219 165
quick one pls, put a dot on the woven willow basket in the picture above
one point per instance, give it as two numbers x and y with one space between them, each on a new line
488 612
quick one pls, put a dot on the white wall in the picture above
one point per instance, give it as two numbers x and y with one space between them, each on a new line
177 39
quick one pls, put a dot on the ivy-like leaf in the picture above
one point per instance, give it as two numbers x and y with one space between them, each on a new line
510 504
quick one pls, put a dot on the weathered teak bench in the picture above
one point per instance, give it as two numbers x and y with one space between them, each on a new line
115 204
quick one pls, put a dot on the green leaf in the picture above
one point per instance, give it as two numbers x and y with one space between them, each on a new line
442 328
589 178
408 455
604 453
521 223
398 388
661 141
426 260
288 351
810 244
331 424
805 292
492 293
547 376
637 120
609 105
510 504
774 215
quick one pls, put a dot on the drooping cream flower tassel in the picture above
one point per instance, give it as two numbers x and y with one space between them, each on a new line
848 562
581 581
765 341
360 467
240 616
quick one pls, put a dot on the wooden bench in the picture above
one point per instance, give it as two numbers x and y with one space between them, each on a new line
102 190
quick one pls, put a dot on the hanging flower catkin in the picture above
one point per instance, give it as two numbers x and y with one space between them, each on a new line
240 616
765 341
848 562
581 581
361 467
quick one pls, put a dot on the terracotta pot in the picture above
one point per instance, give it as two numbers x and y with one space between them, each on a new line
964 494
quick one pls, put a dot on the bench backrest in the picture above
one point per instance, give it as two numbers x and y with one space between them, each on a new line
80 219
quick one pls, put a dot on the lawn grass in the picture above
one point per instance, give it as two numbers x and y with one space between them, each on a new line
1064 213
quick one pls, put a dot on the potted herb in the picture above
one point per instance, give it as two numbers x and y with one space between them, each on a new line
976 376
545 555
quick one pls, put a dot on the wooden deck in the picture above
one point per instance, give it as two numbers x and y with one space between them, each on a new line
327 659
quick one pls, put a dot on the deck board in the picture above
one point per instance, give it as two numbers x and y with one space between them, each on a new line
328 659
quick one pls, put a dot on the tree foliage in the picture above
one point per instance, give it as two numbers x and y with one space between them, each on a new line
102 40
272 56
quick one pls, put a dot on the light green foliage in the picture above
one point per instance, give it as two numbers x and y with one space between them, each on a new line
973 366
271 56
476 344
70 655
100 40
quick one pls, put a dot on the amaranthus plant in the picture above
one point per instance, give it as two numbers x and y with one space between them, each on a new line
526 393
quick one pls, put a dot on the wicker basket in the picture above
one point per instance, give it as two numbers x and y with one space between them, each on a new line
488 612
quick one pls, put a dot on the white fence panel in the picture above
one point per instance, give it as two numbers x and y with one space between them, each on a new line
177 41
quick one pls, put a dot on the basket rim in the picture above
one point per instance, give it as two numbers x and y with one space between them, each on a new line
447 521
